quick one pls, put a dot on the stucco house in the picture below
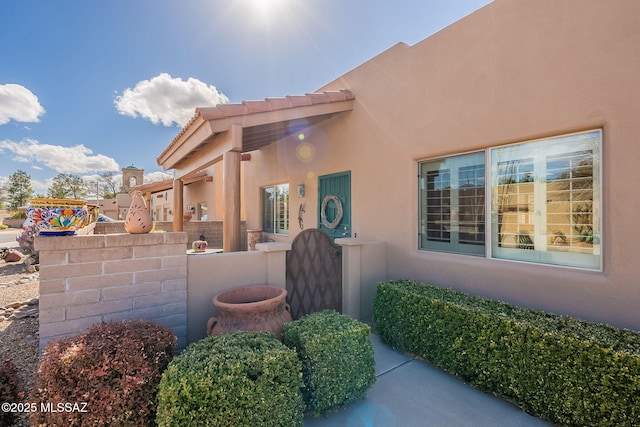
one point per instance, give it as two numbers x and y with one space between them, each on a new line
496 157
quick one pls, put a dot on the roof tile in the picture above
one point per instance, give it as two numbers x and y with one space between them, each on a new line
318 98
230 110
279 103
222 111
299 100
258 106
209 113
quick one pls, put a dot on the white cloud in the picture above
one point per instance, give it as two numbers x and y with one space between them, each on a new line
18 103
76 159
41 187
156 176
167 100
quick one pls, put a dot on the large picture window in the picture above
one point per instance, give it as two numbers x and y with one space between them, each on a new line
544 200
275 209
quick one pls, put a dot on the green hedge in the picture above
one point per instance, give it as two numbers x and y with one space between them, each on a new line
337 359
565 370
239 379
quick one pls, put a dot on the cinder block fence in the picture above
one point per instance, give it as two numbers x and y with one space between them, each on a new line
99 278
90 279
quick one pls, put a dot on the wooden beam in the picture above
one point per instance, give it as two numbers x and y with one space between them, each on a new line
178 202
202 159
231 231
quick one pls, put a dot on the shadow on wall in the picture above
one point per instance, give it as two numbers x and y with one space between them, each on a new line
210 230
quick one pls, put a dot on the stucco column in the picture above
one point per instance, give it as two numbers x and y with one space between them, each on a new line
178 202
231 235
363 266
276 262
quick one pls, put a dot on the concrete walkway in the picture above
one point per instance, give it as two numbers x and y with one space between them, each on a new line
409 392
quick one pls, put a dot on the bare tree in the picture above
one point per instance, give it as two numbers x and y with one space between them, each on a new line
110 188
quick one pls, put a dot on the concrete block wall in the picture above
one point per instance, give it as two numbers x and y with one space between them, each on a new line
86 280
211 230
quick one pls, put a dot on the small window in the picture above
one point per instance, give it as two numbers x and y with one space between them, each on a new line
275 209
452 204
203 212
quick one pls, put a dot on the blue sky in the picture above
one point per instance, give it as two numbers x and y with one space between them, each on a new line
93 86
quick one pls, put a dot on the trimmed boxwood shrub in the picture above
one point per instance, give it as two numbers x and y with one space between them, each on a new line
238 379
114 368
338 366
8 391
566 370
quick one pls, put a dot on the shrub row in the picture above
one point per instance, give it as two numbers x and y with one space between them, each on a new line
114 369
337 359
239 379
125 375
568 371
251 378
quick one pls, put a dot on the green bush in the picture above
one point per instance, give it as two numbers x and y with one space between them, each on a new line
337 359
239 379
114 368
8 391
18 215
568 371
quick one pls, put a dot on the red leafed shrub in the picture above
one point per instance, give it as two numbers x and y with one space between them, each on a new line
106 377
8 391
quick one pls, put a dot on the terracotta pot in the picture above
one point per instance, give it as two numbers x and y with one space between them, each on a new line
138 220
250 308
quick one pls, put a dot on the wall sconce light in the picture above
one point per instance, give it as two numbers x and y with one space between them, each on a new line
300 190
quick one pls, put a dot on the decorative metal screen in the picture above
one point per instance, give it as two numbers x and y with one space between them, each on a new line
314 274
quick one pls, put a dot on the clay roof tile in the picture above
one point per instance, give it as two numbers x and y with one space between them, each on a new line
210 113
279 103
222 111
318 98
299 100
257 106
230 110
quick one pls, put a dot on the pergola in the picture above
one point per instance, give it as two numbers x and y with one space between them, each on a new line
223 133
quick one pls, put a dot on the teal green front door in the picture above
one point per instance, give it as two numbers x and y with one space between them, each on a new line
334 204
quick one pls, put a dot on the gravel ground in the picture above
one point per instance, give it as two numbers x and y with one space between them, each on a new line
19 337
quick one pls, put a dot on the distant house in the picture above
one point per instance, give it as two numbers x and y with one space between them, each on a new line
200 197
497 156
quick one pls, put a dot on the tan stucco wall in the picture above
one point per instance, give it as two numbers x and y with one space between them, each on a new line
513 71
85 280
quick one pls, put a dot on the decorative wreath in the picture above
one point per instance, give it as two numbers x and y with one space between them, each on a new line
323 214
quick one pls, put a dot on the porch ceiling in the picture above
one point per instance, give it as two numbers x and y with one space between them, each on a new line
262 122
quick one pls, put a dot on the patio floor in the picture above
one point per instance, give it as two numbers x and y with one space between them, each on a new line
409 392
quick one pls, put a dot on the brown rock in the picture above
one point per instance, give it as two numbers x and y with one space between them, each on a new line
11 256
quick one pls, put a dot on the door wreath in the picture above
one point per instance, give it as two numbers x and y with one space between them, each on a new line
323 214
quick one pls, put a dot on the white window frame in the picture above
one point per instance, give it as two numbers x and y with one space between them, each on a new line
279 215
540 150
